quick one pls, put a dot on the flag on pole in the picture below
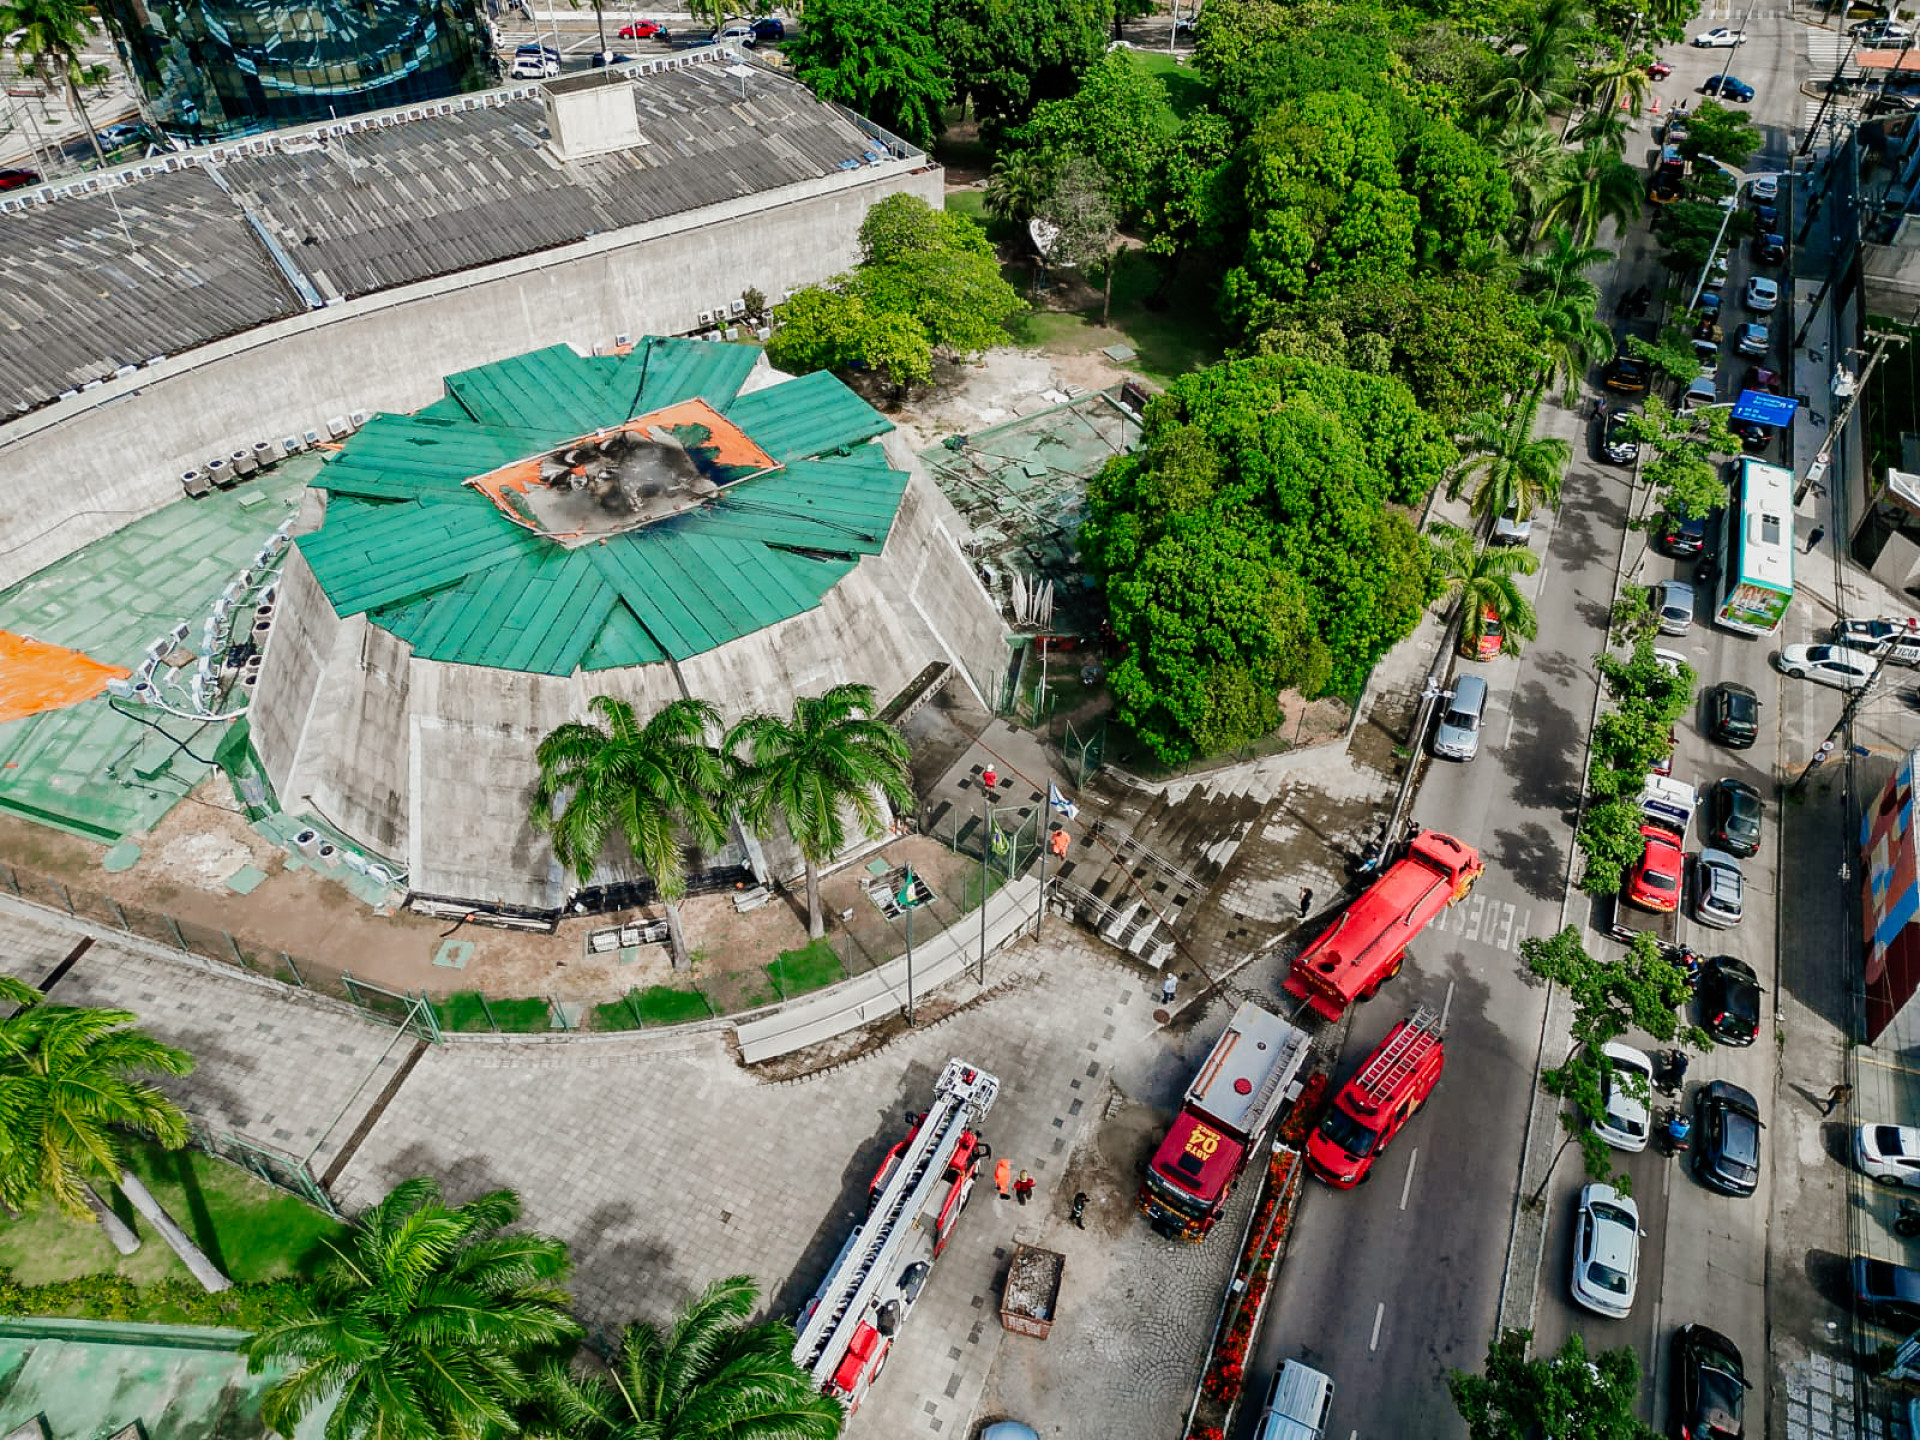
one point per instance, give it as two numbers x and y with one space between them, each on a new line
906 896
999 841
1060 802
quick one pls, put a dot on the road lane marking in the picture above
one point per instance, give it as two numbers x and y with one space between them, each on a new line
1407 1187
1445 1006
1379 1314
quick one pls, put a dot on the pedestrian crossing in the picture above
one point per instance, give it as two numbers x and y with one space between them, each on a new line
1824 49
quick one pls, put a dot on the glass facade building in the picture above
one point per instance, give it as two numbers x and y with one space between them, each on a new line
216 68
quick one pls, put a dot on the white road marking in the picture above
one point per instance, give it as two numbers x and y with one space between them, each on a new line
1498 923
1379 1314
1407 1188
1445 1006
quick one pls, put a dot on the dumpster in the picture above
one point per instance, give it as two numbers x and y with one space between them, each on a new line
1032 1294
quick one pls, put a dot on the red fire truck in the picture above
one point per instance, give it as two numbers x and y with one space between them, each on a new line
1366 945
1229 1105
1390 1085
850 1324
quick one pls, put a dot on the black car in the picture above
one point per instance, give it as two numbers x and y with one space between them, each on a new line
1709 1385
769 27
1628 375
1754 437
1733 817
1733 715
1616 442
1730 1000
1770 249
1886 1293
1728 88
1682 535
1727 1156
604 58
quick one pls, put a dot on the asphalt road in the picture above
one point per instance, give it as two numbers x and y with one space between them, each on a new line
1391 1286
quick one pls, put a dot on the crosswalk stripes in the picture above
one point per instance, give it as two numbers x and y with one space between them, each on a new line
1824 49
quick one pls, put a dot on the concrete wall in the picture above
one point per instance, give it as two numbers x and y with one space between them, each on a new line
87 466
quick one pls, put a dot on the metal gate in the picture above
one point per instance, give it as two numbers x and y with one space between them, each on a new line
282 1171
399 1008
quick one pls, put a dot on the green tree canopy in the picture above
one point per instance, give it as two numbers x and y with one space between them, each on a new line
878 58
1715 132
937 268
823 329
1466 201
1263 54
1567 1394
1007 55
1120 119
1484 577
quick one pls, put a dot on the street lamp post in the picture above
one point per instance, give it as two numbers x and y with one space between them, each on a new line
1740 178
987 781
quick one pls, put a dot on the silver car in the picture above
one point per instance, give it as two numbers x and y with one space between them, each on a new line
1673 603
1719 890
1457 735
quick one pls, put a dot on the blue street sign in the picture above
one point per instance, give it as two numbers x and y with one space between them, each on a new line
1774 410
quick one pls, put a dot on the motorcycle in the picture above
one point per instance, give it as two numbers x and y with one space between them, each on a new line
1669 1071
1676 1131
1907 1223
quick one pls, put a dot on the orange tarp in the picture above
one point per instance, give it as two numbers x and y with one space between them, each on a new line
36 676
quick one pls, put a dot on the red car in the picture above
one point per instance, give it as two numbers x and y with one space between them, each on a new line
642 30
1659 70
18 179
1655 884
1493 637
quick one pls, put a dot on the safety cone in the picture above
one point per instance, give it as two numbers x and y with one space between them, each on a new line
1656 105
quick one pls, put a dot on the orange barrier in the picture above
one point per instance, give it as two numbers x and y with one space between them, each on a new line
36 676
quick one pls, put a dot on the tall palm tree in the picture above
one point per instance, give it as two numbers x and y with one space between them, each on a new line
644 782
710 1376
1518 470
48 37
1482 578
1604 126
1538 72
422 1325
828 757
67 1083
1021 182
1594 186
1574 341
1561 269
1530 154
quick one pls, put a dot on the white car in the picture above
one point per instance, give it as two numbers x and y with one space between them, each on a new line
1719 38
1888 1153
1762 294
1719 890
1606 1252
1840 666
1764 188
1627 1098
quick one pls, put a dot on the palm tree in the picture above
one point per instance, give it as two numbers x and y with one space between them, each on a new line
1517 470
1574 340
644 781
1561 269
422 1325
1021 182
711 1376
1604 126
49 36
1482 577
1530 154
67 1083
826 758
1595 185
1537 74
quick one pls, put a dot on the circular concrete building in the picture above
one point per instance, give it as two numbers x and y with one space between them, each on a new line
676 520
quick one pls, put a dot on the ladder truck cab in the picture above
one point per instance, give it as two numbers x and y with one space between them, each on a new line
850 1324
1390 1085
1367 944
1250 1071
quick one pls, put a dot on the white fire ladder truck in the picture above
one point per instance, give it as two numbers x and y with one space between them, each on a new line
849 1326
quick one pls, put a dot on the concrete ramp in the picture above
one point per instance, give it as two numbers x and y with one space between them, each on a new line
883 992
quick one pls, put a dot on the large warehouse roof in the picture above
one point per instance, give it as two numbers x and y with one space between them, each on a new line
467 529
148 261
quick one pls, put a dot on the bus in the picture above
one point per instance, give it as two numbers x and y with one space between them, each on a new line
1756 551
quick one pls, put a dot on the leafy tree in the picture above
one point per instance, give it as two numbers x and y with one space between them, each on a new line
1566 1394
1483 577
1120 119
1196 204
826 329
1609 837
1005 56
1715 132
937 268
1594 186
1649 700
828 757
1261 55
641 782
711 1374
47 37
1681 477
1085 229
876 57
1466 201
1689 229
1517 470
1447 68
1670 357
1537 72
1323 191
421 1325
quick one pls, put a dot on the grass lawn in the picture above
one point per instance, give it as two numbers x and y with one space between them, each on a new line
656 1005
248 1228
1186 91
1175 335
467 1010
809 968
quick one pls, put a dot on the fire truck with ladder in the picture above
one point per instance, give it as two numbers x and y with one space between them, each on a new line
1384 1094
1367 944
914 1200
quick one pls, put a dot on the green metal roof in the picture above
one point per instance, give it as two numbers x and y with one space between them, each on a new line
431 559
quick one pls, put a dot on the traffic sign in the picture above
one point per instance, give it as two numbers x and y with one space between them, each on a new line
1757 405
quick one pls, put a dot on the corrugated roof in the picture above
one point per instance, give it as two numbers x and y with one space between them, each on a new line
812 415
440 566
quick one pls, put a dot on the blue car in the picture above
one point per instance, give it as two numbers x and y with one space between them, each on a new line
1728 88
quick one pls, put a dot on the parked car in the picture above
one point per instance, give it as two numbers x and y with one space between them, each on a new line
769 27
604 58
1606 1252
1729 87
19 179
1707 355
1752 338
1683 535
1733 715
1456 735
1770 249
1654 883
1627 375
1726 1155
115 137
643 30
1838 665
1734 810
1762 294
1702 392
1884 35
1754 436
1766 217
1893 638
1627 1098
1709 1385
1730 1000
737 32
1719 890
1493 636
1762 379
1659 70
1889 1154
1885 1293
1764 187
1673 604
1719 38
1616 441
1512 528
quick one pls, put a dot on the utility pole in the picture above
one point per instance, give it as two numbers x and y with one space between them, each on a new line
1881 340
1841 727
1833 88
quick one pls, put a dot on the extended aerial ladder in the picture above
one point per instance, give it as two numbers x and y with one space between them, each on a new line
848 1326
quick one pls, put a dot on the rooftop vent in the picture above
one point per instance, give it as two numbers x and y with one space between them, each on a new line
590 115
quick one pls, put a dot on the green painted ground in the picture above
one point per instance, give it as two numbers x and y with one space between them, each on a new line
88 768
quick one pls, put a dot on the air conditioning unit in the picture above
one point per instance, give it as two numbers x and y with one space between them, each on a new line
737 307
216 469
312 439
622 341
291 445
765 332
357 419
243 462
126 370
178 635
121 688
188 477
733 332
336 426
705 317
91 385
266 452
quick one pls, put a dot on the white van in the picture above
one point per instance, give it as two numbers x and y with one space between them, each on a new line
1297 1404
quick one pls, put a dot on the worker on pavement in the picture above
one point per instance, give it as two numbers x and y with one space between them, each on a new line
1002 1177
